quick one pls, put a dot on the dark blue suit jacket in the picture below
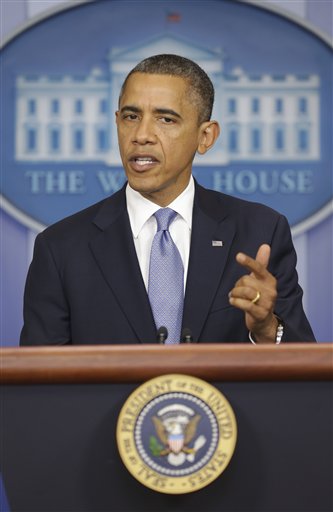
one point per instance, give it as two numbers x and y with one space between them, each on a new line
84 284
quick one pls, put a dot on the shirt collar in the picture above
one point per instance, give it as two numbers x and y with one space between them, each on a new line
141 209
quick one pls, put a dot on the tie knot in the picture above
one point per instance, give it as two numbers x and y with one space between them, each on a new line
164 217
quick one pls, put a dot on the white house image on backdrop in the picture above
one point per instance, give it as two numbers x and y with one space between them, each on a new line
71 118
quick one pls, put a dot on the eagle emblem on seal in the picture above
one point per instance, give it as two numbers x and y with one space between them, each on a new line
176 428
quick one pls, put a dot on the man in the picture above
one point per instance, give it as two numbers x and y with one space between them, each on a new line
93 274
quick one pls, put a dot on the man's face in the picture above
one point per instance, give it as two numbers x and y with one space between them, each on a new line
158 134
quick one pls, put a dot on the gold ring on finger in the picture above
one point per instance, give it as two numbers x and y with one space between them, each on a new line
256 298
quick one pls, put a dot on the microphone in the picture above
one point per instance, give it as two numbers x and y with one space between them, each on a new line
162 334
187 336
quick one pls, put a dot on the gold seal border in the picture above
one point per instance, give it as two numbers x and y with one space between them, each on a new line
166 384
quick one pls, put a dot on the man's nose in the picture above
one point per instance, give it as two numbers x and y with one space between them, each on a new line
144 133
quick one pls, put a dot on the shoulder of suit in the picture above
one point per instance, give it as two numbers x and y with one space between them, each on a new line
212 200
84 219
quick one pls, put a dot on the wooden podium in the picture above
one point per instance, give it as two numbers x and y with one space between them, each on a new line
59 409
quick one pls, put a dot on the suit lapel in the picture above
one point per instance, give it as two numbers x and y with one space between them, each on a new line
115 254
213 231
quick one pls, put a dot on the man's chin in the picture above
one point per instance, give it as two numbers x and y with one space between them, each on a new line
153 194
142 185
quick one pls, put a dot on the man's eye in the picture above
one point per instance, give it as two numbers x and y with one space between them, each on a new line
131 117
167 120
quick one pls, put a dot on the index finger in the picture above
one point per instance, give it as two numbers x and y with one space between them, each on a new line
263 254
253 265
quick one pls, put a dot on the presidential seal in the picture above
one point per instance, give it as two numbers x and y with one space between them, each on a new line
176 434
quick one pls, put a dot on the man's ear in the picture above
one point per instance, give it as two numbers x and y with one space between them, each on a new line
209 132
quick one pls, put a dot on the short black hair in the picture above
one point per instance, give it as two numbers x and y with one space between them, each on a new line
201 87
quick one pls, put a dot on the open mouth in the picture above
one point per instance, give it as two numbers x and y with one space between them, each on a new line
143 163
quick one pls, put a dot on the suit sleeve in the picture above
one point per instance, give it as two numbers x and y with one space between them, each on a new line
289 303
46 310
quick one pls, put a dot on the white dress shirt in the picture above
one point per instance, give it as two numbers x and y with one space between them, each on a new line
143 224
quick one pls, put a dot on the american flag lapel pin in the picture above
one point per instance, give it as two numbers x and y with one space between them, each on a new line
217 243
